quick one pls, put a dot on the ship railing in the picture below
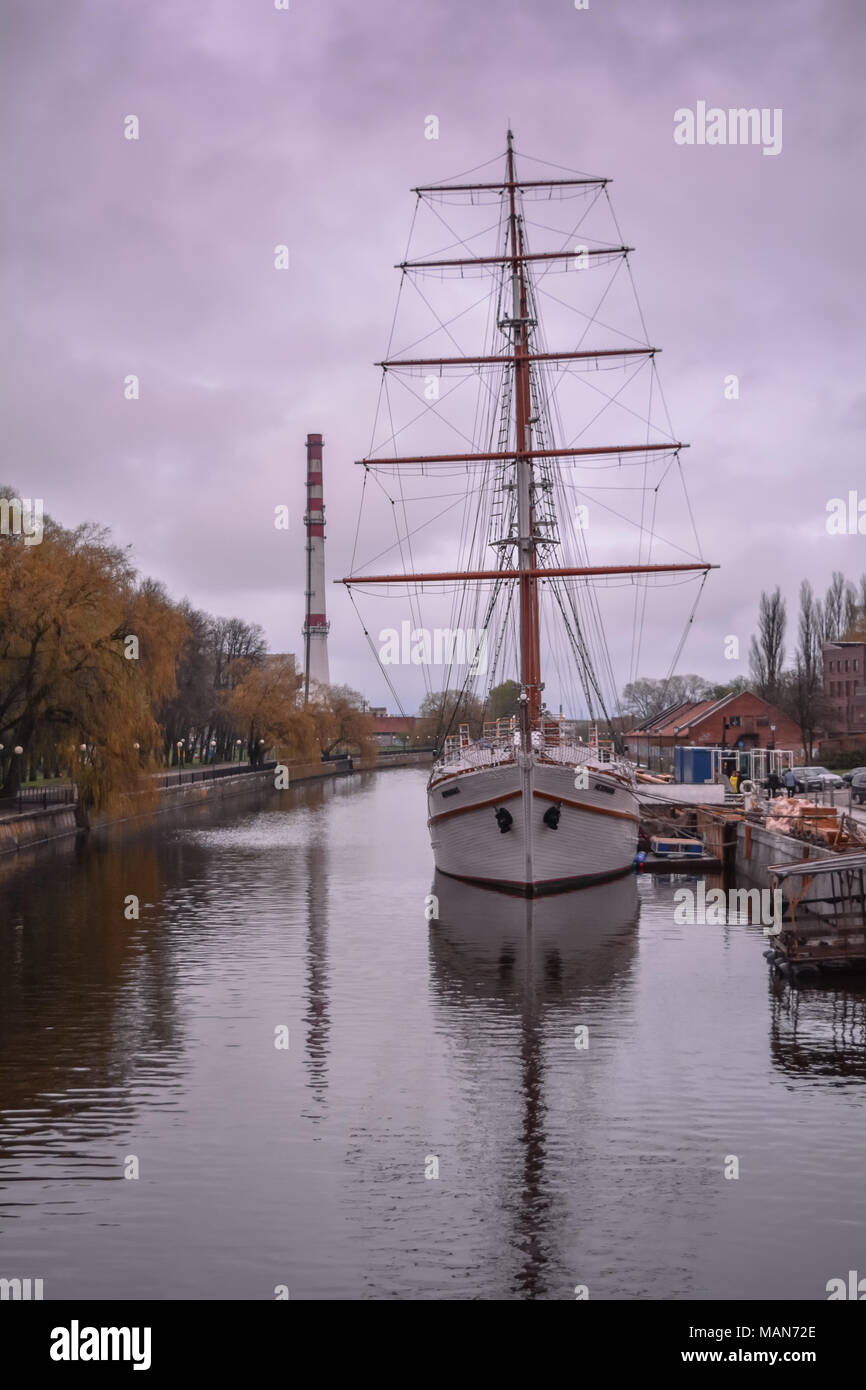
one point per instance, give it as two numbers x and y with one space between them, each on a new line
484 753
588 753
496 729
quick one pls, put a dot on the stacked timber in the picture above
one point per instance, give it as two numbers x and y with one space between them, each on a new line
820 825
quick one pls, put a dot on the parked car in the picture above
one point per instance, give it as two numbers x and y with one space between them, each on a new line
817 779
849 776
858 785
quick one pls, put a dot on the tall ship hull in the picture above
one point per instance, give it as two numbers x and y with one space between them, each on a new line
545 821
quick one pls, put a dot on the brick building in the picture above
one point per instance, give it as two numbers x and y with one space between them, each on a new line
392 731
845 686
736 721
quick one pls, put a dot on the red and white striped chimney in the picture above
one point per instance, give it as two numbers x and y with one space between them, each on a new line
315 630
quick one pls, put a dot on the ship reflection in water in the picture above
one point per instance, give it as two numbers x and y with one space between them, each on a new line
551 968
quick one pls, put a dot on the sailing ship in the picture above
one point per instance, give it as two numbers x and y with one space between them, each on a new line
527 807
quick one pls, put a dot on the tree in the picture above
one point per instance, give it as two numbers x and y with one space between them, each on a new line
84 658
852 608
340 719
805 683
503 700
733 687
191 712
840 603
442 712
767 652
645 698
264 702
236 646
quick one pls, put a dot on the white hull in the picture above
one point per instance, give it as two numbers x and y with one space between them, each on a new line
595 839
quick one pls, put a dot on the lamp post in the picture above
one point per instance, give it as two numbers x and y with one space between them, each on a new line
18 750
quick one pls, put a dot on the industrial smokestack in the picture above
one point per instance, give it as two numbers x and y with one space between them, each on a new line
316 624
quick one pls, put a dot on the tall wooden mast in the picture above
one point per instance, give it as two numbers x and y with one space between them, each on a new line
530 652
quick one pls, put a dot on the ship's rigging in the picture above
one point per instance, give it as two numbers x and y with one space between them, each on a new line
524 573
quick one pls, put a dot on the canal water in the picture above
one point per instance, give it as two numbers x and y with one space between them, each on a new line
510 1101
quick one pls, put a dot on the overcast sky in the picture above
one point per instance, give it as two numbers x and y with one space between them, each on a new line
307 127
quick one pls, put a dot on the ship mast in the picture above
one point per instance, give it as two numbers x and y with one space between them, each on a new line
530 650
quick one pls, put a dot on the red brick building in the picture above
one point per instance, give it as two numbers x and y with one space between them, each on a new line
392 731
736 721
845 686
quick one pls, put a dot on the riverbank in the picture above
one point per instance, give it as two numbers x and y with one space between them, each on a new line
47 824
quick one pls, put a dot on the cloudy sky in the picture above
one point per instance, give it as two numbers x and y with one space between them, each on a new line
259 126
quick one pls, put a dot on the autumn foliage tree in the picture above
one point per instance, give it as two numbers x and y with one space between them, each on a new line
341 721
104 677
85 656
264 700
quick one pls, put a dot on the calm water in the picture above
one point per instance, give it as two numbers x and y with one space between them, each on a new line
410 1043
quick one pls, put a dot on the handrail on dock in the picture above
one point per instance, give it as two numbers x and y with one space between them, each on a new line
831 864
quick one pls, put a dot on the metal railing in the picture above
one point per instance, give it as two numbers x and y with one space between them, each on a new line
64 794
209 774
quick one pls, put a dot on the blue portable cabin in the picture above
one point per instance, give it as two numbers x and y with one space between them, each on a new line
693 764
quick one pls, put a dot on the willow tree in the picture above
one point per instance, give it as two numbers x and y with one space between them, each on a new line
85 656
341 720
262 698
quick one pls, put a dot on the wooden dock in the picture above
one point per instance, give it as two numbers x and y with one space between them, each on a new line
714 825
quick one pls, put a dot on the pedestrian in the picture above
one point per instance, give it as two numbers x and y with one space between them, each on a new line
790 781
774 783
